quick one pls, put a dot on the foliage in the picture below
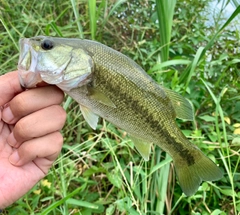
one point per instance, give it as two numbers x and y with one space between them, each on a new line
99 172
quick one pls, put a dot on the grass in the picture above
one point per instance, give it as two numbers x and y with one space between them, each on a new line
99 172
224 153
165 11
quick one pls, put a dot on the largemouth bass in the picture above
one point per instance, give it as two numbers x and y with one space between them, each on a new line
108 84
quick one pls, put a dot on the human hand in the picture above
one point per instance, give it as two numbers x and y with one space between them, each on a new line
30 140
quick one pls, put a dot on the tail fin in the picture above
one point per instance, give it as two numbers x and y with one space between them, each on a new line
190 177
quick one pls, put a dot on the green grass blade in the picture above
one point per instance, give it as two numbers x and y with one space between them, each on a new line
219 112
158 177
9 33
76 13
163 185
80 203
165 11
93 18
169 63
60 202
189 71
56 29
114 7
194 65
160 165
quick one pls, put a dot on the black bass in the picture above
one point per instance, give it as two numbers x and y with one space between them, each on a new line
108 84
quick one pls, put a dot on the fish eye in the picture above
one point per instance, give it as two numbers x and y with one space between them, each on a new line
47 44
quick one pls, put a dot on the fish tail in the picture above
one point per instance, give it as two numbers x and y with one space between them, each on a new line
191 176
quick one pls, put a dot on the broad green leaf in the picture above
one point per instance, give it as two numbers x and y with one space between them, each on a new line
218 212
228 192
115 177
110 210
207 118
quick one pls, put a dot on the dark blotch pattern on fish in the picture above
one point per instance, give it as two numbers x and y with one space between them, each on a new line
147 117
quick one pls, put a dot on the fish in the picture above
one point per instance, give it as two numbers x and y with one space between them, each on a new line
108 84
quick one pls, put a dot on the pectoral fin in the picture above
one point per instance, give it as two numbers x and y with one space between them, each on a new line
100 97
89 116
143 148
182 106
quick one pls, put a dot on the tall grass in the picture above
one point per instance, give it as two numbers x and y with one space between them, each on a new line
77 17
99 172
93 18
225 148
165 12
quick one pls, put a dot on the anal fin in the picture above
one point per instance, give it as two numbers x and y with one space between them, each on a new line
143 148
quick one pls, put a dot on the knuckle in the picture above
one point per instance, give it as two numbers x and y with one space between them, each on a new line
58 138
59 112
21 130
18 105
56 94
26 151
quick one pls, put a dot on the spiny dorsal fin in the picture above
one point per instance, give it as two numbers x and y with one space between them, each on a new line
143 148
182 106
89 116
100 97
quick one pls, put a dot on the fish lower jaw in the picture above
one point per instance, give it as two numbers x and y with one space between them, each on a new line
28 79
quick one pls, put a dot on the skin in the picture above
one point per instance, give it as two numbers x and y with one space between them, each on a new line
30 138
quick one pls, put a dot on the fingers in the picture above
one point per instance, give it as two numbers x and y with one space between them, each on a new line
36 137
47 147
9 87
30 101
37 124
36 119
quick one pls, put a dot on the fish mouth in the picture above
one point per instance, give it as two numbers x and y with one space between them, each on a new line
36 65
28 71
27 63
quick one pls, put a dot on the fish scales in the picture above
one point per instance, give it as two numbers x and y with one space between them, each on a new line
106 83
138 110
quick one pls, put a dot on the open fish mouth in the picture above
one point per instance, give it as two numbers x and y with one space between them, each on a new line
27 63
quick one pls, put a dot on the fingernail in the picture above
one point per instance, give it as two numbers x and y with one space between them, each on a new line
14 157
11 140
7 114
